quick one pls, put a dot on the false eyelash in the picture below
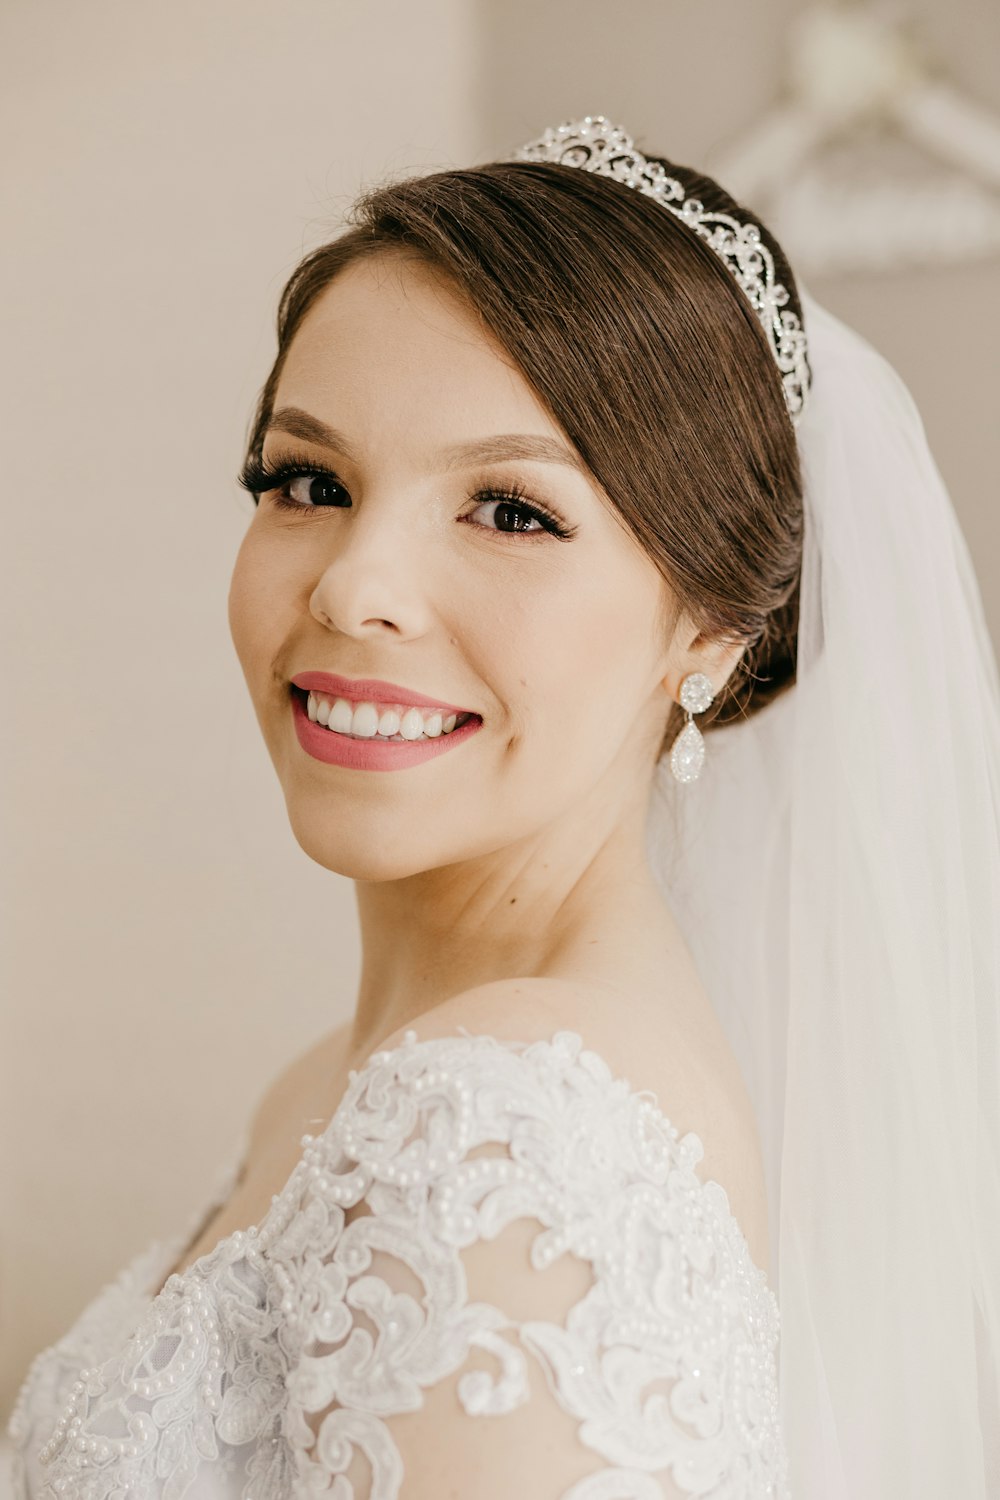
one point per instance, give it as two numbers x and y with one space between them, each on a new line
515 495
259 477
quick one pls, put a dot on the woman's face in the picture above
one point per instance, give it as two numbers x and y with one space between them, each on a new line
401 561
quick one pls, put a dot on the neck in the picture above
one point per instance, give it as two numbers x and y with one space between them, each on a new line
576 901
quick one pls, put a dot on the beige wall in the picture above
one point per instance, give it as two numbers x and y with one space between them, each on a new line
167 944
164 932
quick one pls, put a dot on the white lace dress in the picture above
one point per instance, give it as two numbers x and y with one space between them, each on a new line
496 1265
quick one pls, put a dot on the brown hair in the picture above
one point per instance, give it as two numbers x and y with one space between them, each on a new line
637 339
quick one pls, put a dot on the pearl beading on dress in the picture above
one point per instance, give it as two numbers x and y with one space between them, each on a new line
596 145
604 1173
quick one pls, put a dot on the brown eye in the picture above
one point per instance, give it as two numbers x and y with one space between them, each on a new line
310 491
509 515
314 489
513 514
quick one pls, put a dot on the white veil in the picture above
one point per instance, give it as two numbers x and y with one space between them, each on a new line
836 871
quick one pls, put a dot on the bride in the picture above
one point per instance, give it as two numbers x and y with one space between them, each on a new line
590 609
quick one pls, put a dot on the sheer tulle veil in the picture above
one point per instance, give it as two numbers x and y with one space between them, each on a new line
836 872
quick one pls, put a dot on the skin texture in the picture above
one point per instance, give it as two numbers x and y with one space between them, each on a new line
502 886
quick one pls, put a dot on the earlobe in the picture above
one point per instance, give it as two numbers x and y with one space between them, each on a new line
717 660
695 650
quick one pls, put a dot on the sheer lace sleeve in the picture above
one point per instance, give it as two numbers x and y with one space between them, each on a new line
495 1273
504 1277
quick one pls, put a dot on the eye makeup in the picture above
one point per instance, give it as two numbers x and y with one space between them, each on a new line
260 477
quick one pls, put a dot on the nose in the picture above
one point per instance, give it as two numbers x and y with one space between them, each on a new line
371 580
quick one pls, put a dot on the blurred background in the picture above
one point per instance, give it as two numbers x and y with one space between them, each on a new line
166 167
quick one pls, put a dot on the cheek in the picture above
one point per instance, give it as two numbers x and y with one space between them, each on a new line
258 602
570 651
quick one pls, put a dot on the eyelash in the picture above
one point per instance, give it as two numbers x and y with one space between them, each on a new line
258 477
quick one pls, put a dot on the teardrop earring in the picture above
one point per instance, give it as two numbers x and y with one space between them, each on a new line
688 753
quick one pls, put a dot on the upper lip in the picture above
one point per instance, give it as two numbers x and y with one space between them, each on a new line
370 690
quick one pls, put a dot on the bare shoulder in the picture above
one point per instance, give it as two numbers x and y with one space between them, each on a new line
674 1049
299 1089
683 1060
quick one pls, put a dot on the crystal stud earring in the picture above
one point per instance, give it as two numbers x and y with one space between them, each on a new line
688 753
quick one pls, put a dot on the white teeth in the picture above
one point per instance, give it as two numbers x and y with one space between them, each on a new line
411 725
340 716
367 720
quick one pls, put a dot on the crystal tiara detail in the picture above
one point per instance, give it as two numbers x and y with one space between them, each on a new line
596 145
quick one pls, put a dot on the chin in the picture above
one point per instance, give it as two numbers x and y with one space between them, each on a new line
363 851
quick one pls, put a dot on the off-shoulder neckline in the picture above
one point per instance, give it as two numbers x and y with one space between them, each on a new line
690 1143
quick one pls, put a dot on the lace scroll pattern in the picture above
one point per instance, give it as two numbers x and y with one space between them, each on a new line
49 1387
292 1349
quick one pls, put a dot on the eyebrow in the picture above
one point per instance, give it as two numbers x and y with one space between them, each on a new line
497 449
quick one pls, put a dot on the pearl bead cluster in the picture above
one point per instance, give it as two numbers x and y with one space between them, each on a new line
457 1219
607 1177
201 1344
414 1173
70 1422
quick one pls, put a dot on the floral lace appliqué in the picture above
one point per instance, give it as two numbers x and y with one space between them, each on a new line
273 1363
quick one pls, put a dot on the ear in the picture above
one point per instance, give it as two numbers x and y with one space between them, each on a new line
693 651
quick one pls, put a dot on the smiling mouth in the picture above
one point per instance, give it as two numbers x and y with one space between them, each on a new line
390 723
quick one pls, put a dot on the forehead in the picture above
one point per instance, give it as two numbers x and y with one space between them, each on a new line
390 327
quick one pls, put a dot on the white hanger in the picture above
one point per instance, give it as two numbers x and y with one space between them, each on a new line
874 159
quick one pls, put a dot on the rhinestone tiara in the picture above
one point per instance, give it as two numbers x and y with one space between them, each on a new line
596 145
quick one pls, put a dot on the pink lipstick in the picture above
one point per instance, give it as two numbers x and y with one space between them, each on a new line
372 754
